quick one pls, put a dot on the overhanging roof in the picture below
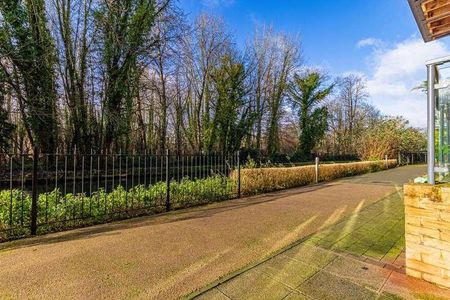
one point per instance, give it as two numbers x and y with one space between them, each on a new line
432 17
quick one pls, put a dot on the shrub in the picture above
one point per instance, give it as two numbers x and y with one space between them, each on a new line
255 181
56 211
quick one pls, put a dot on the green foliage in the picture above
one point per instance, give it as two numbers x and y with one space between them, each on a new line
6 128
307 92
233 118
27 45
250 164
125 28
56 211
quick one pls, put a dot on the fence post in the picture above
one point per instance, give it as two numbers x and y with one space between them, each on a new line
239 174
399 160
412 158
33 225
317 169
386 161
167 181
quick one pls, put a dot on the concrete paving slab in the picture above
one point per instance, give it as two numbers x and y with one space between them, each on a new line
326 286
388 296
254 284
360 257
363 273
289 271
297 296
311 255
214 294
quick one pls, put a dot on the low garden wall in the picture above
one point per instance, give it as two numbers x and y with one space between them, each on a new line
427 232
256 181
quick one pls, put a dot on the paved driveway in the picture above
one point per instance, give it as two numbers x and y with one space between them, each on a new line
172 255
360 257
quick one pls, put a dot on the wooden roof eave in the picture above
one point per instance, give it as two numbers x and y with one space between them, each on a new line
432 17
420 20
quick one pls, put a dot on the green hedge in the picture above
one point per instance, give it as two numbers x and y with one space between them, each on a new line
56 212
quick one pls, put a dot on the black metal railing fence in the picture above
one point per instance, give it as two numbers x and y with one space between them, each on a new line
42 192
411 158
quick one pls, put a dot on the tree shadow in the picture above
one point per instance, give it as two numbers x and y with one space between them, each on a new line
198 212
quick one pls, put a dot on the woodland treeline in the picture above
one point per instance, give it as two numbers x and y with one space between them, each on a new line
136 75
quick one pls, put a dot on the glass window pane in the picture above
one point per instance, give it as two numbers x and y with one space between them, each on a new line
442 134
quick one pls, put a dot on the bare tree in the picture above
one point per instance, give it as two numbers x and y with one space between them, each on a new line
73 35
285 59
202 53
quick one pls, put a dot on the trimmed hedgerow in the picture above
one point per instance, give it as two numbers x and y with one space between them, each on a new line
255 181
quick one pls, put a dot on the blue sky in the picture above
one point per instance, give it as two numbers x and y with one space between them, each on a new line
378 39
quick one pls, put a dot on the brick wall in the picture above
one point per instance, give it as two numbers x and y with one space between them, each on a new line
427 232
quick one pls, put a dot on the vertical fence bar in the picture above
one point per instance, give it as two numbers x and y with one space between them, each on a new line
82 186
106 180
239 174
21 191
191 161
90 184
167 181
178 166
73 179
98 181
150 169
139 176
65 177
112 183
10 191
182 165
74 169
113 171
156 167
126 182
132 178
139 169
46 188
120 167
56 179
145 168
33 225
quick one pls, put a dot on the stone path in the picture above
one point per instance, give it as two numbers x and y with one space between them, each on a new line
172 255
361 257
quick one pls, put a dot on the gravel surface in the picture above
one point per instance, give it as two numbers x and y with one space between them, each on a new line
171 255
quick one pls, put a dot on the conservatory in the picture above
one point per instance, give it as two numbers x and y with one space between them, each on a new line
427 206
433 20
438 99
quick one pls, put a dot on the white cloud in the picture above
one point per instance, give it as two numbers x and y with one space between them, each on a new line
369 42
395 71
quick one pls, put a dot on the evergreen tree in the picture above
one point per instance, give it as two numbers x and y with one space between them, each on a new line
232 119
6 128
28 63
307 92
